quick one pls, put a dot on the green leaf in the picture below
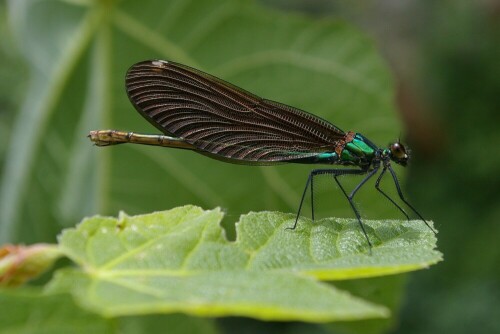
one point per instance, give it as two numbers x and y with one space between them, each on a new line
77 54
29 311
335 248
180 261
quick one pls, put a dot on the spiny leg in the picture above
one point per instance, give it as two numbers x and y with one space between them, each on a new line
400 193
377 186
351 196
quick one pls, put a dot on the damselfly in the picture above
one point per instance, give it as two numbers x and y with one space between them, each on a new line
199 112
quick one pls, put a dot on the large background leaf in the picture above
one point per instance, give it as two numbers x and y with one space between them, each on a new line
79 55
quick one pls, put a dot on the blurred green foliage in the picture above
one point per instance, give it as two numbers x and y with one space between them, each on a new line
33 312
461 79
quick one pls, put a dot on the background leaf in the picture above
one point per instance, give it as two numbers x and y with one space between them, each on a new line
29 311
78 62
180 261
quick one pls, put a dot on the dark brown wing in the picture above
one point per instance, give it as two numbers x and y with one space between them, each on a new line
222 119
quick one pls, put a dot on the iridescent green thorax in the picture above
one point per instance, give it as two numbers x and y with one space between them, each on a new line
359 151
355 149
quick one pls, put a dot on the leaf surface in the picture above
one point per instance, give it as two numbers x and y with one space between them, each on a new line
180 261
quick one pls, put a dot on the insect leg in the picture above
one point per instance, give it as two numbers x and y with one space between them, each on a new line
302 200
340 172
309 182
396 183
312 198
377 186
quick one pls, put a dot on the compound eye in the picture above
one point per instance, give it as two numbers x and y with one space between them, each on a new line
398 151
